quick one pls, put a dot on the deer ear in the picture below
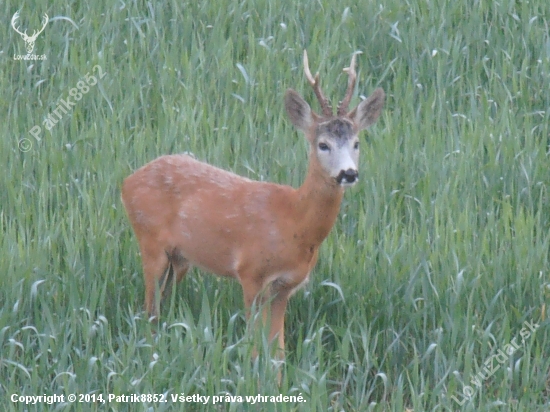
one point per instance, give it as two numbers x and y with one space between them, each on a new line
368 110
298 111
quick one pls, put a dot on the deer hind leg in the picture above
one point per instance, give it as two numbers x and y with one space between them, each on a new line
160 268
180 264
155 267
177 268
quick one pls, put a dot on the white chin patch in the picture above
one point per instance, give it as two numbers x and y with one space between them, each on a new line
345 183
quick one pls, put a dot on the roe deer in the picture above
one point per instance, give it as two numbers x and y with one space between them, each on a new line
187 213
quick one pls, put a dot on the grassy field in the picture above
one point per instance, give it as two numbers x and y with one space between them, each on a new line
423 289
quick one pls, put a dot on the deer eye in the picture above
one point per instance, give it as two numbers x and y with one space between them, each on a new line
324 147
356 145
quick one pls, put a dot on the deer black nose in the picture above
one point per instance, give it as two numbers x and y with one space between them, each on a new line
347 176
351 175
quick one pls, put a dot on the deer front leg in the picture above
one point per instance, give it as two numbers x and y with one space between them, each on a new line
273 301
252 295
279 300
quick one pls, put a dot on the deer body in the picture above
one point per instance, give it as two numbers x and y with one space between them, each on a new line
256 232
188 213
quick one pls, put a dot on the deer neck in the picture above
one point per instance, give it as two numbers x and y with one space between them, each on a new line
319 200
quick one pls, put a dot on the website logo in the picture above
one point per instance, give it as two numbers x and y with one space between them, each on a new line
29 40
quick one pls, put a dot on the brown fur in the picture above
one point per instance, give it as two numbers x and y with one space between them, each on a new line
187 213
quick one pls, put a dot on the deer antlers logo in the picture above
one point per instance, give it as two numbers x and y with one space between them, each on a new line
29 40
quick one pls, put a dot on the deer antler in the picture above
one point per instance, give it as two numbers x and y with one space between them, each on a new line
325 106
34 33
44 22
15 17
343 105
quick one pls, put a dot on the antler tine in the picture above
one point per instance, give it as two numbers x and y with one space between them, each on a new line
44 23
343 105
13 19
314 82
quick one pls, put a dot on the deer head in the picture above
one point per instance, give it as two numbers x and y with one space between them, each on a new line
29 40
334 139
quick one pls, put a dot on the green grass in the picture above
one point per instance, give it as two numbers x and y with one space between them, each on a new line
438 257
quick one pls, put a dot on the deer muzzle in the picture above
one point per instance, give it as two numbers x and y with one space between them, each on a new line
347 177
